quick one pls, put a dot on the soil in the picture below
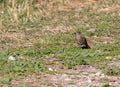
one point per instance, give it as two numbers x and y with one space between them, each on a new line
82 76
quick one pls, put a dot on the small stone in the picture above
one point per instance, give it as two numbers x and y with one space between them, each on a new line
108 57
114 58
2 12
50 69
102 75
79 9
98 73
11 58
92 30
89 80
110 83
21 57
105 42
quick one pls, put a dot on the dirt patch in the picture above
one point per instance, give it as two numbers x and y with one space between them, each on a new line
56 29
83 76
108 8
18 39
11 39
103 39
115 63
80 76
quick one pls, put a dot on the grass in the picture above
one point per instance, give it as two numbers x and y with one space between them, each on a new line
107 85
51 33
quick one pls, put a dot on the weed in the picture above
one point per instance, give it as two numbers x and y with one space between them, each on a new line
6 80
113 70
107 85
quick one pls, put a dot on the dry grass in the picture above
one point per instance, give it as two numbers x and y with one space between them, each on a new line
29 10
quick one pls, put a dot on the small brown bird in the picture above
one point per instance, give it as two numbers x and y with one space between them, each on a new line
81 40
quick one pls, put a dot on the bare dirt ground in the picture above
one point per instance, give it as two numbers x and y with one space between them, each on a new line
82 76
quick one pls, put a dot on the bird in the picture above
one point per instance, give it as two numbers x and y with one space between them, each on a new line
81 40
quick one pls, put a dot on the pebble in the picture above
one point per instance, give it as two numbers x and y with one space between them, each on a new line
92 30
108 57
50 69
11 58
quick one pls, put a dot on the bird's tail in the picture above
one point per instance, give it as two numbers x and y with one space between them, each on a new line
88 47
